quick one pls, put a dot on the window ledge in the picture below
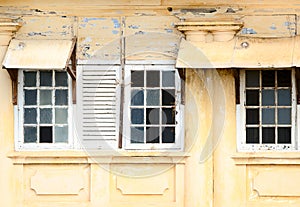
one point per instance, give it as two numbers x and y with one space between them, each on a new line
103 157
267 158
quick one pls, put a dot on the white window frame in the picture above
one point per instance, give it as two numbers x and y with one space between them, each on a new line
179 118
241 120
18 123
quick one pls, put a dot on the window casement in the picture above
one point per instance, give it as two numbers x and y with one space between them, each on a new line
44 110
267 112
153 115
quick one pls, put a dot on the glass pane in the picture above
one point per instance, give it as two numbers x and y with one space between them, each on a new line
61 79
252 97
46 78
61 134
284 116
284 78
45 116
137 134
30 134
153 79
252 78
268 97
152 135
30 116
153 97
45 97
61 116
252 116
268 135
168 135
168 97
268 78
284 97
137 78
46 134
268 116
252 135
152 116
30 97
61 97
137 116
284 135
168 115
29 79
168 78
137 97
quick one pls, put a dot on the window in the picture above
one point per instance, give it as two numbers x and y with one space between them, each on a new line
268 110
44 109
153 117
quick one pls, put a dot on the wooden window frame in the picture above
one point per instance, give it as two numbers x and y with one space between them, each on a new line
179 119
241 120
18 114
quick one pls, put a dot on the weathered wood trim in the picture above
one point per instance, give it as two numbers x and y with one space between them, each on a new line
237 85
13 73
182 74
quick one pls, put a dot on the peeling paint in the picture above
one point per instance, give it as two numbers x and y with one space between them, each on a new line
248 31
169 30
82 25
139 33
134 26
93 19
115 31
273 27
116 23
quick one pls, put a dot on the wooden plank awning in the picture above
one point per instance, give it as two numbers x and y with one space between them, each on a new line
39 54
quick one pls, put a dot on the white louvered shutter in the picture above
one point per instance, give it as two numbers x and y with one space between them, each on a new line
99 106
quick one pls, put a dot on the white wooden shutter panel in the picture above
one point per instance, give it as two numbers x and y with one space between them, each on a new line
99 106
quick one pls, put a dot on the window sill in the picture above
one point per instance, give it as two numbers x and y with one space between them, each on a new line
103 157
267 158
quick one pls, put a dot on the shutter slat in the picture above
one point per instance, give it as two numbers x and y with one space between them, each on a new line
99 91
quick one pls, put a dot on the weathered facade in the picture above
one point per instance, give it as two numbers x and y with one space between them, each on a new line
221 147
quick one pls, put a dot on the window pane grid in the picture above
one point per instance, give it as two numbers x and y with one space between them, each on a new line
268 132
150 105
45 106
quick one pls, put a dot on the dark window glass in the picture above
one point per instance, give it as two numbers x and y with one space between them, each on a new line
268 97
153 78
252 116
61 97
45 116
168 97
137 116
137 135
61 79
153 98
137 78
284 135
29 79
284 78
30 115
252 97
268 78
30 97
252 78
168 135
284 116
284 97
30 134
268 135
45 78
268 116
252 135
168 115
137 97
168 78
46 134
61 134
152 135
152 116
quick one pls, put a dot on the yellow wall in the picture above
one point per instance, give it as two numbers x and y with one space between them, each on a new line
208 173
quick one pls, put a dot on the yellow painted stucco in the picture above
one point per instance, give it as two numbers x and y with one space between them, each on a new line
209 172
